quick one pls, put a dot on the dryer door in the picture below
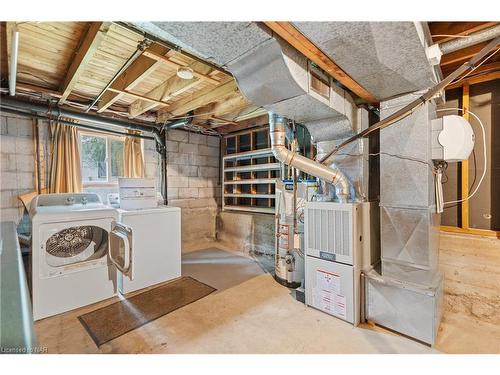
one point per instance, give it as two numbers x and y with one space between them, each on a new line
120 249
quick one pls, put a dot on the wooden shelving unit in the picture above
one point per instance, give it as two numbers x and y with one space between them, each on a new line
249 172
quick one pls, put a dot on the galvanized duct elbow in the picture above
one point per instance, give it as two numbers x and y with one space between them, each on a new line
332 175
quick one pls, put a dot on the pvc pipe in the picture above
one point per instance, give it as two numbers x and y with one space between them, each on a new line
14 49
332 175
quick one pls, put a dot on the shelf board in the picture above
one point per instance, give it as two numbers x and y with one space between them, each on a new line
249 154
254 181
249 195
266 210
256 167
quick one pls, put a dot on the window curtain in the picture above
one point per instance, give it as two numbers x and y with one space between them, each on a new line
65 167
133 162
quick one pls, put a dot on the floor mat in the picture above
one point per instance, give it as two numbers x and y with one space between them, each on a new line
112 321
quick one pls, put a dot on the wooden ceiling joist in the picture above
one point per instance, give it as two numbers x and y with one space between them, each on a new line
164 60
483 73
233 103
289 33
245 124
441 30
167 90
462 55
89 43
202 98
138 70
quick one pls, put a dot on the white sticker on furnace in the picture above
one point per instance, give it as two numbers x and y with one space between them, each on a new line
327 295
327 281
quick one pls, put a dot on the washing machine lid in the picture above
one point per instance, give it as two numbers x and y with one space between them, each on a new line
73 212
148 211
63 214
69 206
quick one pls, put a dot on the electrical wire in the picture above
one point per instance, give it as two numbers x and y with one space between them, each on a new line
450 36
392 155
473 180
205 114
477 66
484 152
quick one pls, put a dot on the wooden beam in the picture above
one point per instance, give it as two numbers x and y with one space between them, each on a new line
38 89
251 112
246 124
222 122
456 28
158 57
201 98
474 231
167 90
484 73
140 68
233 103
462 54
139 97
293 36
465 165
89 43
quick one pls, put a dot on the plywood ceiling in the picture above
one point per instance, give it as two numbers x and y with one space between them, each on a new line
74 62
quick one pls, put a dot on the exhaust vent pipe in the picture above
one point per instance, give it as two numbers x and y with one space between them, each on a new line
332 175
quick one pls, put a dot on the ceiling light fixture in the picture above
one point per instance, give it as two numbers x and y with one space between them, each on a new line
185 72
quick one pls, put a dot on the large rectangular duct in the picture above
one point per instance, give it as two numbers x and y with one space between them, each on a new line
409 283
409 225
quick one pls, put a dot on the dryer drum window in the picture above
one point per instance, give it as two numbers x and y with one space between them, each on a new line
76 244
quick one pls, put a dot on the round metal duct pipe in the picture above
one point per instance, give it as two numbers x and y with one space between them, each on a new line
470 40
332 175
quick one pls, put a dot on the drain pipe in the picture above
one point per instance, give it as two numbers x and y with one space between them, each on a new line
7 103
332 175
14 49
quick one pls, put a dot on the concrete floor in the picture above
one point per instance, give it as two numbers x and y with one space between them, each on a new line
249 313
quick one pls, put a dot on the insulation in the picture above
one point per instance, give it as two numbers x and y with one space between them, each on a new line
386 58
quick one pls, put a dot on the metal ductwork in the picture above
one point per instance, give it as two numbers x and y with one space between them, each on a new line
272 74
470 40
386 58
277 130
269 72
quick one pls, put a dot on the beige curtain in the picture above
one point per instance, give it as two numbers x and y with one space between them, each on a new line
133 163
65 167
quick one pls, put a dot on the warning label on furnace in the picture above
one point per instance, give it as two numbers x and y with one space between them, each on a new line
327 294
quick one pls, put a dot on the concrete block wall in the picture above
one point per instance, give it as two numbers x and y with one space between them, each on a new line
193 182
17 156
247 232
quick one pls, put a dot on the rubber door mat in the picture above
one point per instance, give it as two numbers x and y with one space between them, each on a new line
112 321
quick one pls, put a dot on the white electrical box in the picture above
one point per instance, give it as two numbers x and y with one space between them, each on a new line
137 193
452 138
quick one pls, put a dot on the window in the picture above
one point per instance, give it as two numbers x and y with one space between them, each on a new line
101 158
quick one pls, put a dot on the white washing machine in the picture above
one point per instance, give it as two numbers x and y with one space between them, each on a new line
157 246
78 245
